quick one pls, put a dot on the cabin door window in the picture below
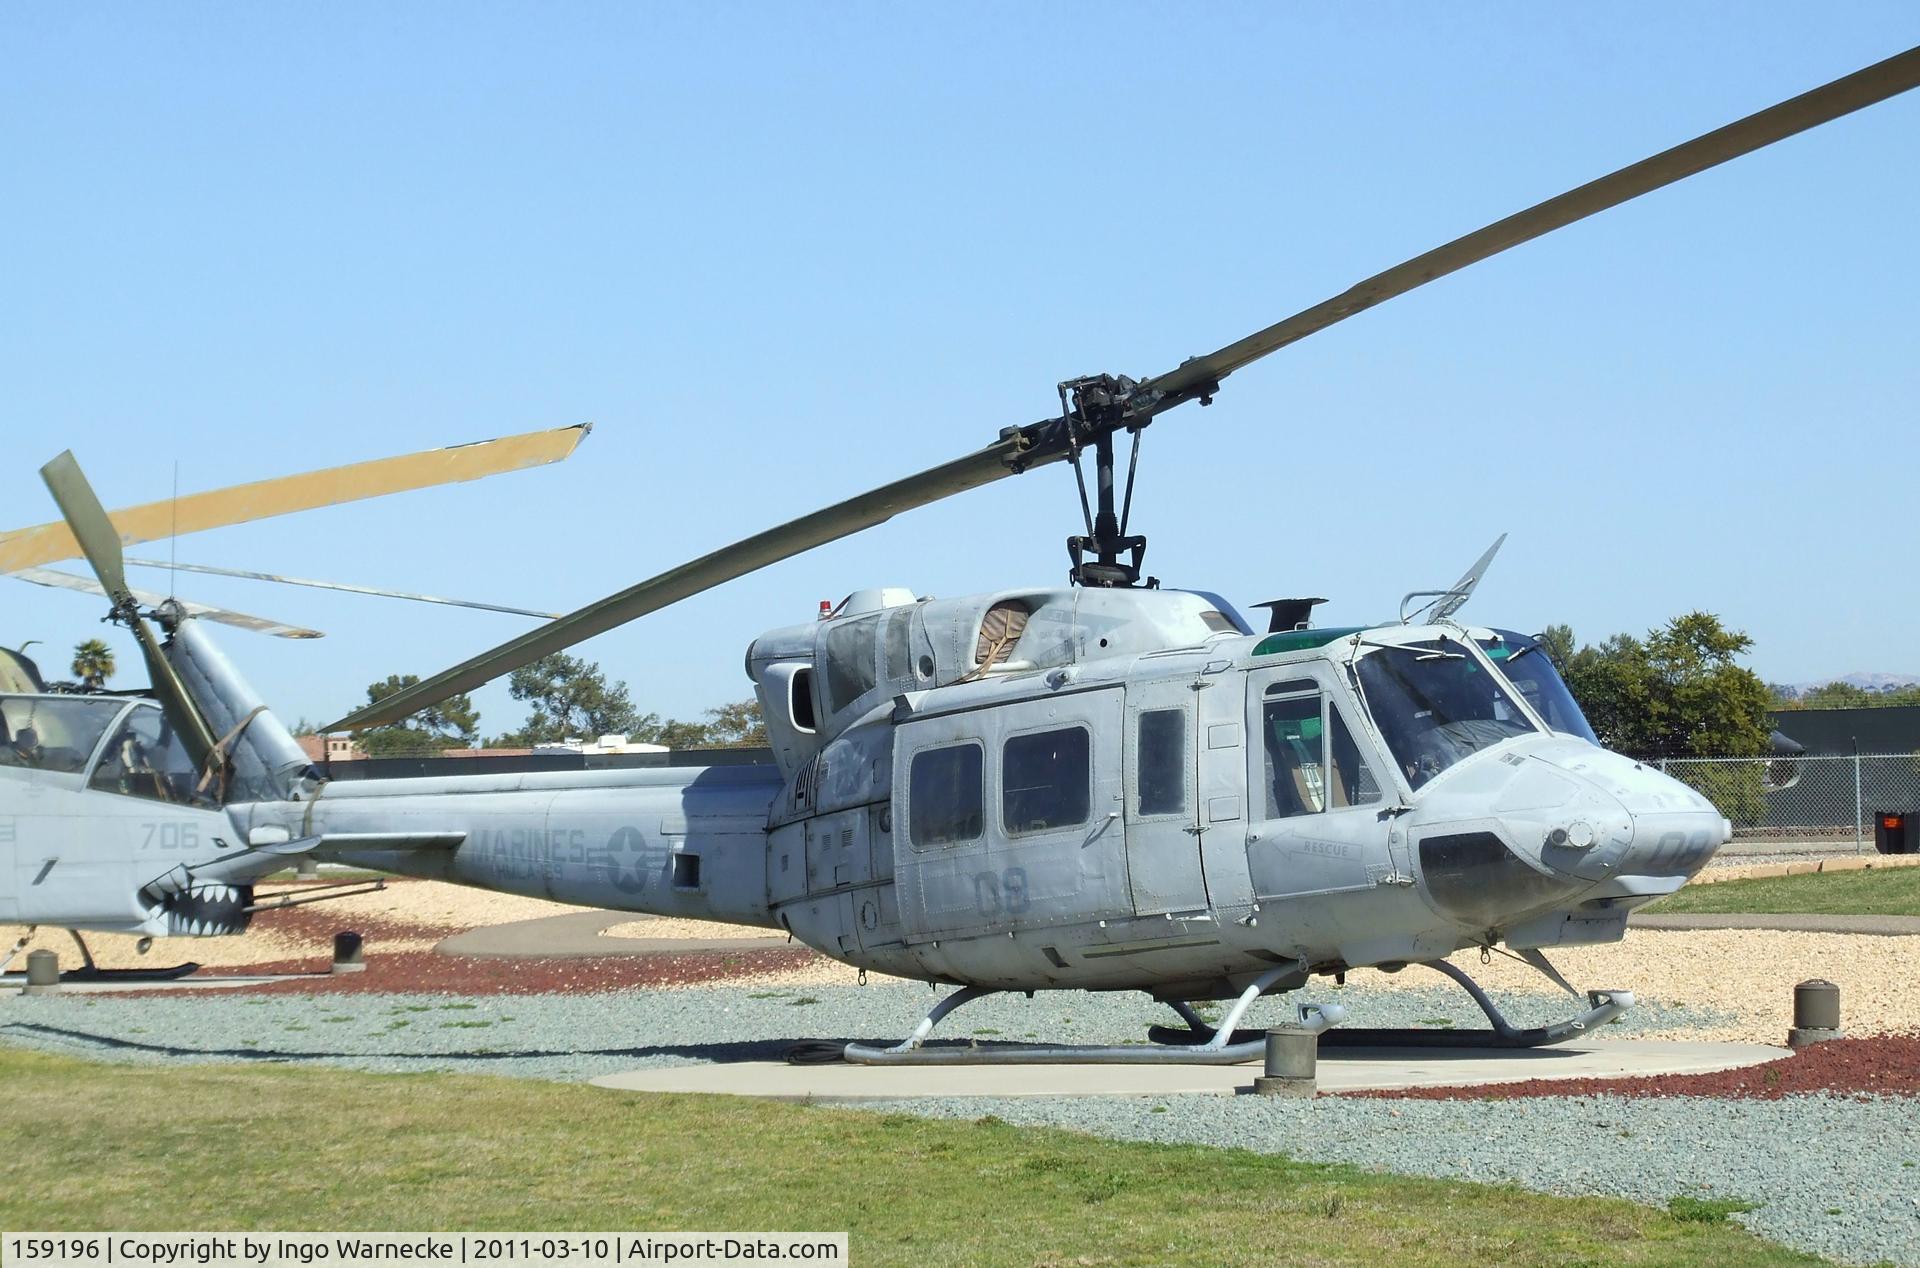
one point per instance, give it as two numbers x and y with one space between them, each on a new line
1164 868
1045 780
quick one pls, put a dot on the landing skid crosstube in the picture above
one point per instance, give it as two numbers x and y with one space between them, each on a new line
1200 1044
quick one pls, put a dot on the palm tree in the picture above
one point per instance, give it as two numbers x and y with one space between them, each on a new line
93 662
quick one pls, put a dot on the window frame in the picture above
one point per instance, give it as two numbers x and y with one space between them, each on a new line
123 706
1188 788
979 746
195 799
1301 687
1087 769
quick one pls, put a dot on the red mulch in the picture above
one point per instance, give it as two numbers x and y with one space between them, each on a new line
1884 1064
415 972
319 921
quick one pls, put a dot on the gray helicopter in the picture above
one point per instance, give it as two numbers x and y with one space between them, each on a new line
95 785
1108 785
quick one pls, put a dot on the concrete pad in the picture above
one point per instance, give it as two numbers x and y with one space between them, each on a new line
1786 922
1763 847
1343 1070
577 935
222 982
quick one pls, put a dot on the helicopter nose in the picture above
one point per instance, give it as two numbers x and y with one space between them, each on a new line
1662 828
1555 819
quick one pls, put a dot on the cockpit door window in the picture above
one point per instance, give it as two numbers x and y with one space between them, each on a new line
1313 763
146 759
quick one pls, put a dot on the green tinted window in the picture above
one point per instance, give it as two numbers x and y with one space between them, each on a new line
1313 761
1296 783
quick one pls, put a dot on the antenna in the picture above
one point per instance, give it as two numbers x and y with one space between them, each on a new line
173 537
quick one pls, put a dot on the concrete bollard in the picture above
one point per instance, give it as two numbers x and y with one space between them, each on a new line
1292 1053
1816 1013
43 973
347 956
308 868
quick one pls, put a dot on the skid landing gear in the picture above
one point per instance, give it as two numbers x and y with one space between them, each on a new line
91 971
1602 1007
1200 1044
1213 1050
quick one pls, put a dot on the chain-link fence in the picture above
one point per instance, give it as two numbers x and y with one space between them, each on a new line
1816 798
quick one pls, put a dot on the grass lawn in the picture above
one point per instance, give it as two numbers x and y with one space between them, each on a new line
87 1146
1893 891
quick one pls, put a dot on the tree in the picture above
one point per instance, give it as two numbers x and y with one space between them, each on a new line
93 662
453 723
1680 694
1677 694
729 726
1559 644
570 698
1711 707
735 724
1611 683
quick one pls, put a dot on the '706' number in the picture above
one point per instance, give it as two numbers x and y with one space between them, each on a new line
172 836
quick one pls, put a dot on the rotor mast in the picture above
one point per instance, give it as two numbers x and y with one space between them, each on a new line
1092 410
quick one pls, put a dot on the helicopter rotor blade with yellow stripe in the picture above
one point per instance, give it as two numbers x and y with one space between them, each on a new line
263 499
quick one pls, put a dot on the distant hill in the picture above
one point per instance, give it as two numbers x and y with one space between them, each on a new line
1877 683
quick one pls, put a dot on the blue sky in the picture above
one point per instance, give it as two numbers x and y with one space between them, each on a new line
778 254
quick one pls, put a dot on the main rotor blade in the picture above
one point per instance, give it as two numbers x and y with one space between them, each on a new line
87 525
90 527
1843 96
263 499
792 538
211 571
226 616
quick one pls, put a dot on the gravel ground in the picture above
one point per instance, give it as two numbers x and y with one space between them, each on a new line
571 1037
1839 1176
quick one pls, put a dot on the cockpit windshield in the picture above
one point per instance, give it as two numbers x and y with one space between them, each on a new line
1529 668
56 733
1435 704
